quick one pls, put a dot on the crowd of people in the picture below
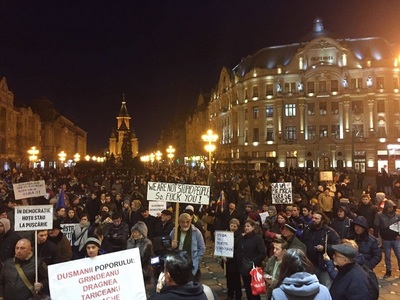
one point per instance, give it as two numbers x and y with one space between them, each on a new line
320 245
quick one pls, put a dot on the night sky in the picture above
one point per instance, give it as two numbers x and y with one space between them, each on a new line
83 55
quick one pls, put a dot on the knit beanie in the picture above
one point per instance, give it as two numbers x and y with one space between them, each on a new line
93 241
140 227
6 224
273 208
380 197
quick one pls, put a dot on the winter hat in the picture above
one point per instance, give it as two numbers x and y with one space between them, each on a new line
248 203
190 207
92 241
272 208
345 249
360 221
380 197
127 201
291 227
6 224
254 216
140 227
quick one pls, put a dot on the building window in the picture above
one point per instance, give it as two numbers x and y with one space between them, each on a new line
311 109
269 111
245 95
323 131
334 108
322 86
290 110
255 112
245 114
290 133
335 131
290 87
380 106
270 153
270 135
312 132
256 136
335 85
269 89
255 91
322 108
380 82
310 87
255 154
356 83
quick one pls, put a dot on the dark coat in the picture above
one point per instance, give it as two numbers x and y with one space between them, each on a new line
190 290
351 282
252 248
7 245
117 235
47 252
368 212
384 219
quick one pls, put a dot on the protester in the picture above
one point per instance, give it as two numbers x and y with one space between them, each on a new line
251 250
296 279
12 285
79 237
179 282
62 243
92 247
117 233
8 240
272 268
190 240
47 251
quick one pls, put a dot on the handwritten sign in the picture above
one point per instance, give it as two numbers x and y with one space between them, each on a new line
29 189
156 207
281 193
114 276
177 192
33 217
224 243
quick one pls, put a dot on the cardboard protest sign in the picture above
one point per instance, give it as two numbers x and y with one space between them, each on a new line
29 189
156 207
281 193
178 192
114 276
224 243
33 217
325 176
68 230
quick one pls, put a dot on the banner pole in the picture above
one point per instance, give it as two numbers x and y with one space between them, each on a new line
176 221
36 258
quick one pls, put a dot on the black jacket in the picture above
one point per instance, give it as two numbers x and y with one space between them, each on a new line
190 290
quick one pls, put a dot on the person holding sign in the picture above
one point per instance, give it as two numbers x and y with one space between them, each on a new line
190 240
18 274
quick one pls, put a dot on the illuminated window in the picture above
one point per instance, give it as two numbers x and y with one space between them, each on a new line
255 154
335 131
290 133
269 111
312 132
290 110
270 135
322 108
323 131
255 112
334 108
311 109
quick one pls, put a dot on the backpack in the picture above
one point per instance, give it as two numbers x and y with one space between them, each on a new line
373 283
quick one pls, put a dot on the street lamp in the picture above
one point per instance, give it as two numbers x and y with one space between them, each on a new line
170 151
77 157
33 155
209 138
87 157
61 156
151 158
158 157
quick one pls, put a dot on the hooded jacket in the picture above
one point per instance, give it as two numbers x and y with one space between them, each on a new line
8 239
384 220
367 244
301 285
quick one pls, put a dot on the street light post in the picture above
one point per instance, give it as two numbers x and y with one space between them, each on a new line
170 155
158 157
61 156
209 138
33 155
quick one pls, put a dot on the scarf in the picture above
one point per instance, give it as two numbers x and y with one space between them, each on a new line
187 244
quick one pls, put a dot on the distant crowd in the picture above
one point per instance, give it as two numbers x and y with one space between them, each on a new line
335 236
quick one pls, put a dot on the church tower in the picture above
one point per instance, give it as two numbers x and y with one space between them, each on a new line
123 126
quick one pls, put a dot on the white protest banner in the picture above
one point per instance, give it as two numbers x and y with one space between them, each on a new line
395 227
156 207
33 217
113 276
281 193
29 189
263 216
178 192
68 230
224 243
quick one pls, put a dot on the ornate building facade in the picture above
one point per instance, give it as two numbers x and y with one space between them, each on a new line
123 127
39 125
324 102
